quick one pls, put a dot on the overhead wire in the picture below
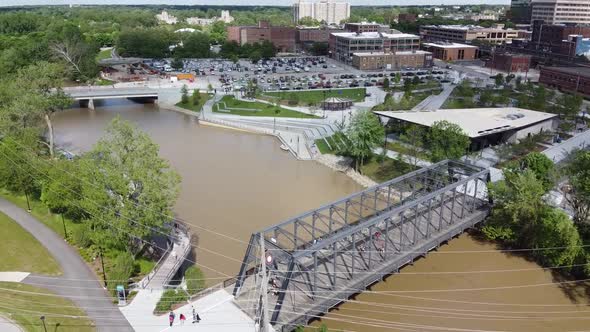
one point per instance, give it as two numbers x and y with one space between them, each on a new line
124 231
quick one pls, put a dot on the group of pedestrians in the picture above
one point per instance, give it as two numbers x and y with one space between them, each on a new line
182 317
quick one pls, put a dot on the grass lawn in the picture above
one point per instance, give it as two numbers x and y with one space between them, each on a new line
334 141
458 103
53 221
317 96
258 109
386 170
25 310
22 252
191 106
105 54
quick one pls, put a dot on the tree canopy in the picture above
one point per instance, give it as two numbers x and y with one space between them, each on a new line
447 141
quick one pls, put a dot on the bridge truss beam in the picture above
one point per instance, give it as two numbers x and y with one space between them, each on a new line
324 256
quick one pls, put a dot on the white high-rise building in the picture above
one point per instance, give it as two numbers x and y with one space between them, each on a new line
329 11
561 11
166 18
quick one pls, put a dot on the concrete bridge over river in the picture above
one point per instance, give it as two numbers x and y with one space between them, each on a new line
321 258
87 96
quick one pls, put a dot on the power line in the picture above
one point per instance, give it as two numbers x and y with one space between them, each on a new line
136 237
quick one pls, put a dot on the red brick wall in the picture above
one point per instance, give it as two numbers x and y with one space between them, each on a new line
565 81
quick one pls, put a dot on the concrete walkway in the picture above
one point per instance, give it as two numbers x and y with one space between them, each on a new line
217 311
13 276
78 282
435 102
7 325
394 155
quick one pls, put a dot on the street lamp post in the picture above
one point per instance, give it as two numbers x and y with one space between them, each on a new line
42 318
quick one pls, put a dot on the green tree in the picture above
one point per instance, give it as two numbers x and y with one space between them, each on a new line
414 137
557 231
499 79
184 94
196 97
447 141
542 166
308 22
578 193
62 189
19 168
128 188
364 133
196 45
518 207
44 81
177 63
386 83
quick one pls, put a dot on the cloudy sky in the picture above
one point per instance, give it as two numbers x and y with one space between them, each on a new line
242 2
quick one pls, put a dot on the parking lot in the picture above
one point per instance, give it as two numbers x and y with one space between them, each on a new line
302 81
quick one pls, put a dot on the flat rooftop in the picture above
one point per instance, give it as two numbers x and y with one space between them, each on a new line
393 53
476 122
373 35
449 45
582 71
466 28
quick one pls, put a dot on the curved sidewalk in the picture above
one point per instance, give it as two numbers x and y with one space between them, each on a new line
78 282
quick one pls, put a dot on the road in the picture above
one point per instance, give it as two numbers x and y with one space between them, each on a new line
78 282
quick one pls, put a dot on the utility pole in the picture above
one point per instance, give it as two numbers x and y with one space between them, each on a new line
104 275
64 224
264 321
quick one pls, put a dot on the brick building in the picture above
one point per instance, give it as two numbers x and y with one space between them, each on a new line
406 18
509 62
451 51
392 61
283 38
551 37
307 36
344 45
572 79
468 33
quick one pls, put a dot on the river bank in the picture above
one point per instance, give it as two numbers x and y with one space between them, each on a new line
236 183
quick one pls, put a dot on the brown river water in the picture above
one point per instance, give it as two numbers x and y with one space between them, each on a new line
236 183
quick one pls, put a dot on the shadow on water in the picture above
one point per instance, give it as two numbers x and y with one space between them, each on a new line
578 292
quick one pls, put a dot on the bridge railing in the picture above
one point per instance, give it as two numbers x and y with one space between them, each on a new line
382 239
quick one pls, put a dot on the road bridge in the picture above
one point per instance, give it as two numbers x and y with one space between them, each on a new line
87 96
321 258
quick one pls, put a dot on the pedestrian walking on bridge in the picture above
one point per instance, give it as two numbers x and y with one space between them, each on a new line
171 318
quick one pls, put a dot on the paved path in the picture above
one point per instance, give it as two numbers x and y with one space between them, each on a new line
170 264
7 325
394 155
560 151
435 102
217 311
78 282
13 276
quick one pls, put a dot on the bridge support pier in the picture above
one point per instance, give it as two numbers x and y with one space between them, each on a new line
87 103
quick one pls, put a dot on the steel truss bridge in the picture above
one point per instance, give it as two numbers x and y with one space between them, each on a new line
321 258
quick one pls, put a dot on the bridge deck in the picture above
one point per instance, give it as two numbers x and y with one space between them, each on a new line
322 271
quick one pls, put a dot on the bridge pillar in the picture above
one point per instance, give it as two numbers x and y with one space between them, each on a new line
91 104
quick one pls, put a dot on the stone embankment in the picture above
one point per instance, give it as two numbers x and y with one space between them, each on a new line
342 164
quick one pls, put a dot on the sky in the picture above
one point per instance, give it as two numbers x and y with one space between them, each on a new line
243 2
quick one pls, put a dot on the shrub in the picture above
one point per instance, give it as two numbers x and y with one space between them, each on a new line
169 299
195 280
81 236
122 269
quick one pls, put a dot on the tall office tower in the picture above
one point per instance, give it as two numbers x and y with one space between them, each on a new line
328 11
561 11
520 11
